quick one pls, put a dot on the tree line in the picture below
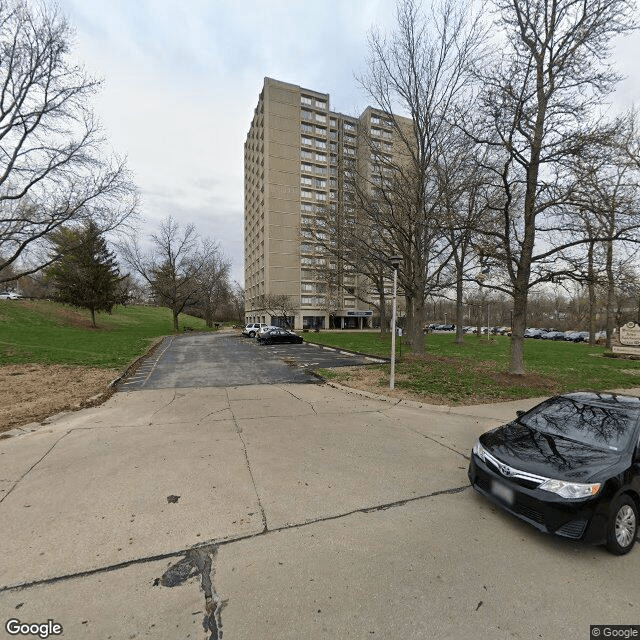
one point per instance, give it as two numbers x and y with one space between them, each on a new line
63 193
508 170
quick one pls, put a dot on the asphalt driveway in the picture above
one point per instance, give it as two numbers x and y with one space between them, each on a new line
225 359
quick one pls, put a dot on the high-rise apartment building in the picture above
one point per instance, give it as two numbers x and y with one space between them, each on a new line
295 157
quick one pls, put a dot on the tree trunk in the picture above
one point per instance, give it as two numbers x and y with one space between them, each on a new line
93 318
416 325
610 292
459 310
517 332
591 285
175 320
383 311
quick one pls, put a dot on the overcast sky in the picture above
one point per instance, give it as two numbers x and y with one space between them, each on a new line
181 80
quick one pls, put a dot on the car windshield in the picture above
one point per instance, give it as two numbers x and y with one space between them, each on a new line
598 425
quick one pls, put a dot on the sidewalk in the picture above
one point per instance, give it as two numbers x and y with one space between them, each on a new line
283 511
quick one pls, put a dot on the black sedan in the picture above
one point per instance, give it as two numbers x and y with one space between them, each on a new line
570 467
276 336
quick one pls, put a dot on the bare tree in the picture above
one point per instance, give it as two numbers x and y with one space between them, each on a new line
213 281
418 71
538 103
53 168
173 265
280 307
236 302
611 205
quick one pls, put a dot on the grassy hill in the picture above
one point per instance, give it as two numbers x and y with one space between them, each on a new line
50 333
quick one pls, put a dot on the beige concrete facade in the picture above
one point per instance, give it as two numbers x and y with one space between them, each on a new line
296 154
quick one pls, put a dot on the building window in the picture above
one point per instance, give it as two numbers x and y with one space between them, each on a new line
375 120
321 157
321 104
308 182
321 183
321 144
306 115
307 141
321 196
349 126
305 100
321 131
306 128
306 194
306 167
320 117
306 155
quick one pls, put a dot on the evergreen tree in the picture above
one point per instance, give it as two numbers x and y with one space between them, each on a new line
86 275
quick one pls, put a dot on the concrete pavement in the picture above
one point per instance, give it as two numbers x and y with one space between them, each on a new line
314 513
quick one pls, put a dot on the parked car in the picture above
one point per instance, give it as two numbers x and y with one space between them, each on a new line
553 335
252 329
533 333
570 467
265 328
277 336
576 336
9 295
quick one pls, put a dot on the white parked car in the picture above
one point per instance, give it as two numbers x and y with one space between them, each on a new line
9 295
264 328
252 329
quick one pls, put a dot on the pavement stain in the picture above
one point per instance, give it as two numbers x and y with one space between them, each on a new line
199 562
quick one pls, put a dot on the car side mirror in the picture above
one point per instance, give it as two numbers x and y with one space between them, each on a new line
520 413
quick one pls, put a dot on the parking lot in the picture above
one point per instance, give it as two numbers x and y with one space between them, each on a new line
223 359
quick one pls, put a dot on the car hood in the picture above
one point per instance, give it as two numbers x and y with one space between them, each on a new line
546 455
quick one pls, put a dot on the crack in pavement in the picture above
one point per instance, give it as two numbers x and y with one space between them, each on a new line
232 539
246 457
164 406
299 398
426 437
34 465
199 561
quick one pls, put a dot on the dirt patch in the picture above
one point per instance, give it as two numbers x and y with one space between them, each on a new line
373 380
32 392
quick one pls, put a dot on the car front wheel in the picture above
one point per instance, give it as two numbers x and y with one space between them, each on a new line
252 334
623 526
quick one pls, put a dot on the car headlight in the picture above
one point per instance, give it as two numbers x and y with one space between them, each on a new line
570 489
479 450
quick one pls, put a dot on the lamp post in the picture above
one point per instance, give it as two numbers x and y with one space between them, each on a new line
395 263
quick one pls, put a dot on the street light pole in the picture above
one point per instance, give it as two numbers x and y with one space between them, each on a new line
395 263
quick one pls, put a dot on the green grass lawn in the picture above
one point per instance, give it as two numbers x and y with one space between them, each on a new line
49 333
477 370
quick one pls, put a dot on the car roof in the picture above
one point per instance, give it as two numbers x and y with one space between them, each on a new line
604 399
